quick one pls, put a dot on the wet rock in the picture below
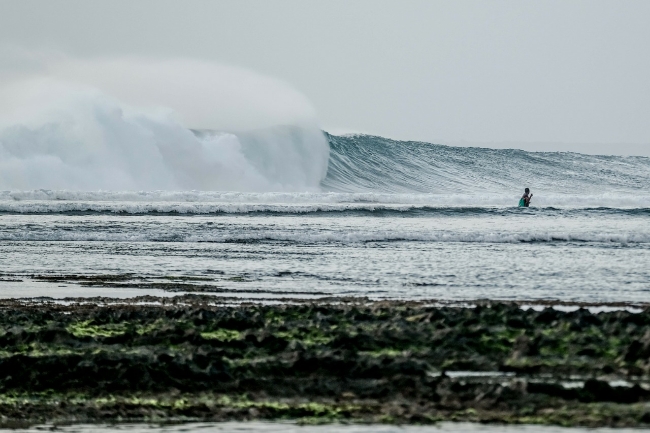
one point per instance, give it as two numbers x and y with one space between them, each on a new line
378 358
639 349
548 315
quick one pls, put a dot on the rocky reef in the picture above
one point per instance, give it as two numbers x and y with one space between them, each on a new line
348 360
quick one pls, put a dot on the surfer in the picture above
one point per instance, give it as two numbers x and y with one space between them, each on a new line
524 201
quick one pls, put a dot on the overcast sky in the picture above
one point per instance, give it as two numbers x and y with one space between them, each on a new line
530 74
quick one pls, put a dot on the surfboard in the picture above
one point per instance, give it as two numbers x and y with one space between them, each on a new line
522 202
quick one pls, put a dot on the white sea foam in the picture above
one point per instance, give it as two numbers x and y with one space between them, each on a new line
206 202
66 129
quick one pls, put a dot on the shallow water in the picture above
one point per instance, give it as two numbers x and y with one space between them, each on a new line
338 248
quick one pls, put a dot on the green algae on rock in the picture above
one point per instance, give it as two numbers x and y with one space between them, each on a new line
388 361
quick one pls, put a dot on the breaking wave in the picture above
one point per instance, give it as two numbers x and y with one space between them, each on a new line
109 148
67 130
79 150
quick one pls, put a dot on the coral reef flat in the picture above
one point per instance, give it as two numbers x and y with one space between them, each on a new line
332 360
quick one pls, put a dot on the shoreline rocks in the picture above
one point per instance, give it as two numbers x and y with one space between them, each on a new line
319 361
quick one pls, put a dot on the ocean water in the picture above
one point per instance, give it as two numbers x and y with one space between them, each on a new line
389 219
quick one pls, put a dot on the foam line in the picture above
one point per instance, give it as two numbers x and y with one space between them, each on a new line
543 199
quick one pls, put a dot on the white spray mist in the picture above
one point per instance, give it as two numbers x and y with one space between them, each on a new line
123 124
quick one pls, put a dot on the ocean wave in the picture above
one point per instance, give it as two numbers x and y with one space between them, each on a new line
311 166
370 163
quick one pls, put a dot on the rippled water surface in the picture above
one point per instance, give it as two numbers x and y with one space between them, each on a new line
335 248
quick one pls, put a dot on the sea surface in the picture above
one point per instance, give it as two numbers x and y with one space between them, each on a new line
399 220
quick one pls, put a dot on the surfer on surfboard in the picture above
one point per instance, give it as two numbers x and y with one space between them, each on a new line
524 201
